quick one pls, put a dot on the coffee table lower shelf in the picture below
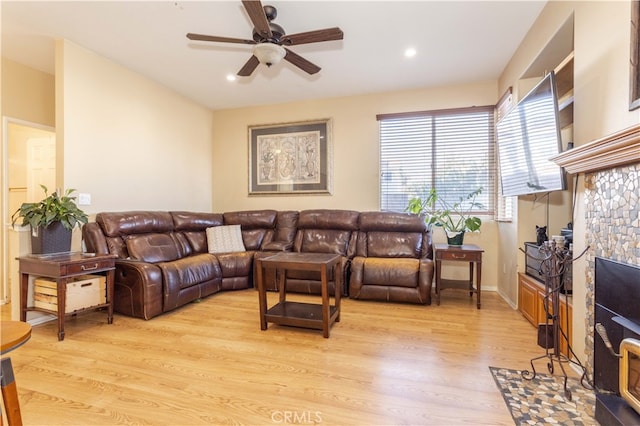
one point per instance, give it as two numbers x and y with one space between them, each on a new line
297 314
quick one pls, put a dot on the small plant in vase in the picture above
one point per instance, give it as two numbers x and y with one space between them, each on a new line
454 218
51 220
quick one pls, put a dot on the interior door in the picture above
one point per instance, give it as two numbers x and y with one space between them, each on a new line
41 166
28 160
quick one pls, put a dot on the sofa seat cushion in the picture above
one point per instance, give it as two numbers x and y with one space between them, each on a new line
153 248
238 264
278 246
189 271
391 272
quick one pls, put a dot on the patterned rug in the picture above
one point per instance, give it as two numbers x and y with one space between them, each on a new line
542 401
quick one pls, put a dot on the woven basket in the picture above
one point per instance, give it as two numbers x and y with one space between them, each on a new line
55 238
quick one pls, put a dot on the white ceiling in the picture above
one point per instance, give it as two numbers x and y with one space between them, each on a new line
456 42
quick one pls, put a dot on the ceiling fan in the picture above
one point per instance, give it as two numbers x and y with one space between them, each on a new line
270 40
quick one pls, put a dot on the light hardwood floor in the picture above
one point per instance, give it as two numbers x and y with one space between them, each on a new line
209 363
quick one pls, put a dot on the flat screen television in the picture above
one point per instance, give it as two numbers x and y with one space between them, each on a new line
527 137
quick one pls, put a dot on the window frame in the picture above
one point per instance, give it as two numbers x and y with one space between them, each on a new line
433 139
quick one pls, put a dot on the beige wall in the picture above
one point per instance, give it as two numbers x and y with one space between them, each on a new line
355 148
601 100
27 95
128 141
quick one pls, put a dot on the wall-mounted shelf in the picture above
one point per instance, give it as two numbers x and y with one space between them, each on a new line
564 86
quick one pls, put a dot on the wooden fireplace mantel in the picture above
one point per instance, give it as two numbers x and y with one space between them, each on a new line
616 149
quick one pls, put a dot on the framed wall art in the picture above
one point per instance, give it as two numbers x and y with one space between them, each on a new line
634 60
290 158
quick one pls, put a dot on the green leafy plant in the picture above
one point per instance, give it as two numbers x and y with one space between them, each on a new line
456 217
53 208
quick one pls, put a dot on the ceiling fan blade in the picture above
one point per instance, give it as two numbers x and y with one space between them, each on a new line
301 62
258 17
202 37
326 34
249 67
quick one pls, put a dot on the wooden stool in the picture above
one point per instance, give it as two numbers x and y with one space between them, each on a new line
14 334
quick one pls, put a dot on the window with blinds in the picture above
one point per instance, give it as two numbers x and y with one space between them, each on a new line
452 151
504 205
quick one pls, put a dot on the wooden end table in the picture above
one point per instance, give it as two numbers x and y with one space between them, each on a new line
62 267
470 253
307 315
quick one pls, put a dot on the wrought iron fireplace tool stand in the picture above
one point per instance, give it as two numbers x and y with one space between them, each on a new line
554 262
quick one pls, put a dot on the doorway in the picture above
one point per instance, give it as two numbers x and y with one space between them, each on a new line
29 152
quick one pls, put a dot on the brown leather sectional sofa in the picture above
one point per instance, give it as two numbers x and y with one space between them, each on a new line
163 260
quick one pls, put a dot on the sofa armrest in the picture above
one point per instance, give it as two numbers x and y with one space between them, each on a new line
138 289
426 279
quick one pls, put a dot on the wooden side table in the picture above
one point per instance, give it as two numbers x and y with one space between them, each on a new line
470 253
308 315
14 334
62 267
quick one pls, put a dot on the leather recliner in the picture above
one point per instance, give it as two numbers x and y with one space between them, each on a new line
324 231
393 259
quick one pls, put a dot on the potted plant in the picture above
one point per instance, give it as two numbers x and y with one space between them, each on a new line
455 218
52 221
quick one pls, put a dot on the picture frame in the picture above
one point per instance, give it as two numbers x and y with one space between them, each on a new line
290 158
634 58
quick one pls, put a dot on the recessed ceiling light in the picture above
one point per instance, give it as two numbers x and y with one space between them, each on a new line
410 52
231 77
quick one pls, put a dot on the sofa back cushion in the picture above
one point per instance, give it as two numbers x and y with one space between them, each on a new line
257 226
193 226
286 225
153 248
134 222
389 234
195 221
327 231
118 226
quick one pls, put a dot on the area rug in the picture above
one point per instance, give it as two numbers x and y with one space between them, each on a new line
542 401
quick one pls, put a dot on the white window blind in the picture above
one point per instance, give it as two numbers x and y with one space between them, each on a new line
504 205
452 151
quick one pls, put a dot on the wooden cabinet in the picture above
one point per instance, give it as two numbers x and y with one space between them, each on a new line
528 300
534 307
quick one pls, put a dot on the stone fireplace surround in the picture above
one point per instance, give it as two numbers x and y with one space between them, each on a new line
611 167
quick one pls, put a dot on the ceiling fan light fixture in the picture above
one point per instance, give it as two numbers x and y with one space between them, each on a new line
269 53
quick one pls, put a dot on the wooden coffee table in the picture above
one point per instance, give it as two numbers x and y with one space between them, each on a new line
307 315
